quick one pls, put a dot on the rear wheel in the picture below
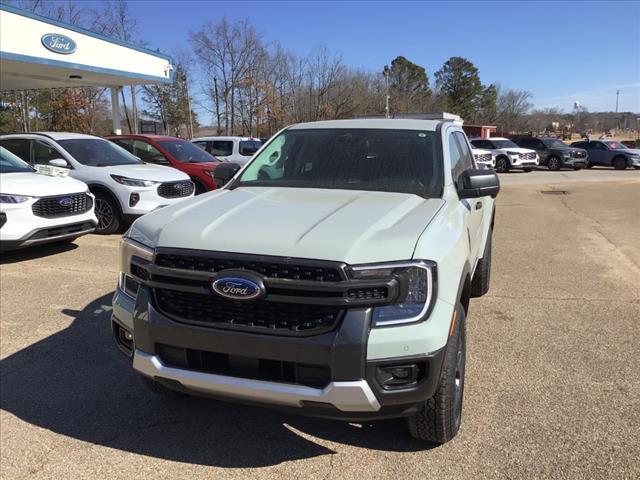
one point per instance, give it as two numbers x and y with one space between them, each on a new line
619 163
502 164
108 215
554 163
440 418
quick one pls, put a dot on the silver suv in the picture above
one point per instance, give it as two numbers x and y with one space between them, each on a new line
330 276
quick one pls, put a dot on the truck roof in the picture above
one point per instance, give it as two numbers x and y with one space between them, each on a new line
381 123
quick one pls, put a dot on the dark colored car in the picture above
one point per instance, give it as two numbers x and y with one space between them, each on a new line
554 153
173 152
610 153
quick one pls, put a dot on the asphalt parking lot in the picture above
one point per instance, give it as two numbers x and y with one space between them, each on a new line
553 374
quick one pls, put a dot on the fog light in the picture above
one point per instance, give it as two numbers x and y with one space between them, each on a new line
396 376
133 199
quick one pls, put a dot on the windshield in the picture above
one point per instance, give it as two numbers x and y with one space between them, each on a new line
554 143
504 143
95 152
184 151
616 145
406 161
10 163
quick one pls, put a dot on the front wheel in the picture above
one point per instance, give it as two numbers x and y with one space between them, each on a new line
502 165
107 213
619 163
440 418
554 164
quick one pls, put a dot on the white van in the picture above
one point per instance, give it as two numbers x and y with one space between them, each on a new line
231 149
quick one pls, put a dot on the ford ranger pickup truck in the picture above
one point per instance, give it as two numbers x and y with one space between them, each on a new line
330 276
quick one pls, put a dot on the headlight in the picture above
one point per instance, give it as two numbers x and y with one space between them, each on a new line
133 256
417 281
13 198
566 154
513 154
134 182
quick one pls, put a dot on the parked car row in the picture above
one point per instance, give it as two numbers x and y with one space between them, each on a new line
124 176
526 153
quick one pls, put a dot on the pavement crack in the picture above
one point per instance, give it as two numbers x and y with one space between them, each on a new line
562 299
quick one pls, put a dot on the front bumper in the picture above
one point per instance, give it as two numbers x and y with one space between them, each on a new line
575 162
148 200
524 163
352 391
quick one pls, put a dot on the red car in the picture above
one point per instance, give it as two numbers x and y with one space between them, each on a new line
173 152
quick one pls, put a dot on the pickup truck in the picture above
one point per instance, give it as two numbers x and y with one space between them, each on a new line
330 276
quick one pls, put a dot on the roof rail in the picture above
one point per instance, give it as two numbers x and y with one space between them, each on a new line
443 116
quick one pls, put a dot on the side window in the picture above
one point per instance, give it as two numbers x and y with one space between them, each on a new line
597 146
455 156
221 148
202 145
18 146
124 143
467 156
147 152
43 152
249 147
477 143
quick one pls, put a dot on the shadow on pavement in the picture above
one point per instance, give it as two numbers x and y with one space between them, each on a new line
76 383
37 251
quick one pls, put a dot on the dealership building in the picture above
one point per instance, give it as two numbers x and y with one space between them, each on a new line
38 52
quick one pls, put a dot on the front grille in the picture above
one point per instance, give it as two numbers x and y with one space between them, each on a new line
578 154
293 270
483 157
176 189
257 316
245 367
62 205
528 156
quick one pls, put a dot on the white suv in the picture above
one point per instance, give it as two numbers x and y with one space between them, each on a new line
231 149
38 208
508 155
484 158
125 188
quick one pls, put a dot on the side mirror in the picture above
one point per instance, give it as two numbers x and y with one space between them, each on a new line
225 172
478 183
59 162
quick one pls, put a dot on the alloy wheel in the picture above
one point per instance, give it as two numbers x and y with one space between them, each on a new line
105 214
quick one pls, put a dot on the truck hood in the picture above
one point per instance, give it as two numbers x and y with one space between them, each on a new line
156 173
340 225
38 185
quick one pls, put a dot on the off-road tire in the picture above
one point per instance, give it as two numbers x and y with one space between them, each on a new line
554 163
104 203
619 163
502 164
440 418
482 275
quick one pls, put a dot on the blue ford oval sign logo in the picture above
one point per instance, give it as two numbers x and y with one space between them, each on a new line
237 288
58 43
66 202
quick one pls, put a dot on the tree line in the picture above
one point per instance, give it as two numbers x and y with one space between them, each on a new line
250 87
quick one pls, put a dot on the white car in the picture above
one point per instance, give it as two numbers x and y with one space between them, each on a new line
125 188
231 149
40 208
484 158
508 155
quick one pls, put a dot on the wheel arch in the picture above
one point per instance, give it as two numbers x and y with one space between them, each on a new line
97 187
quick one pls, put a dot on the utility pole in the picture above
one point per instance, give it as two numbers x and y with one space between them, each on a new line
385 72
617 96
186 88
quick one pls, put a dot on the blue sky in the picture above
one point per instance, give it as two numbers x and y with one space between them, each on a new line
559 51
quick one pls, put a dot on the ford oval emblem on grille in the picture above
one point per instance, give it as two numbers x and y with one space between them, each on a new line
178 186
66 202
238 287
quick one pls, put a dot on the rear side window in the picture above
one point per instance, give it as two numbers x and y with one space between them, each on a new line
221 148
249 147
18 146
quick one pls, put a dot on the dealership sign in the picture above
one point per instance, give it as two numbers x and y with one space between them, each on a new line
58 43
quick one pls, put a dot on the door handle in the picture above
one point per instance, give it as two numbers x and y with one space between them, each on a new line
478 205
